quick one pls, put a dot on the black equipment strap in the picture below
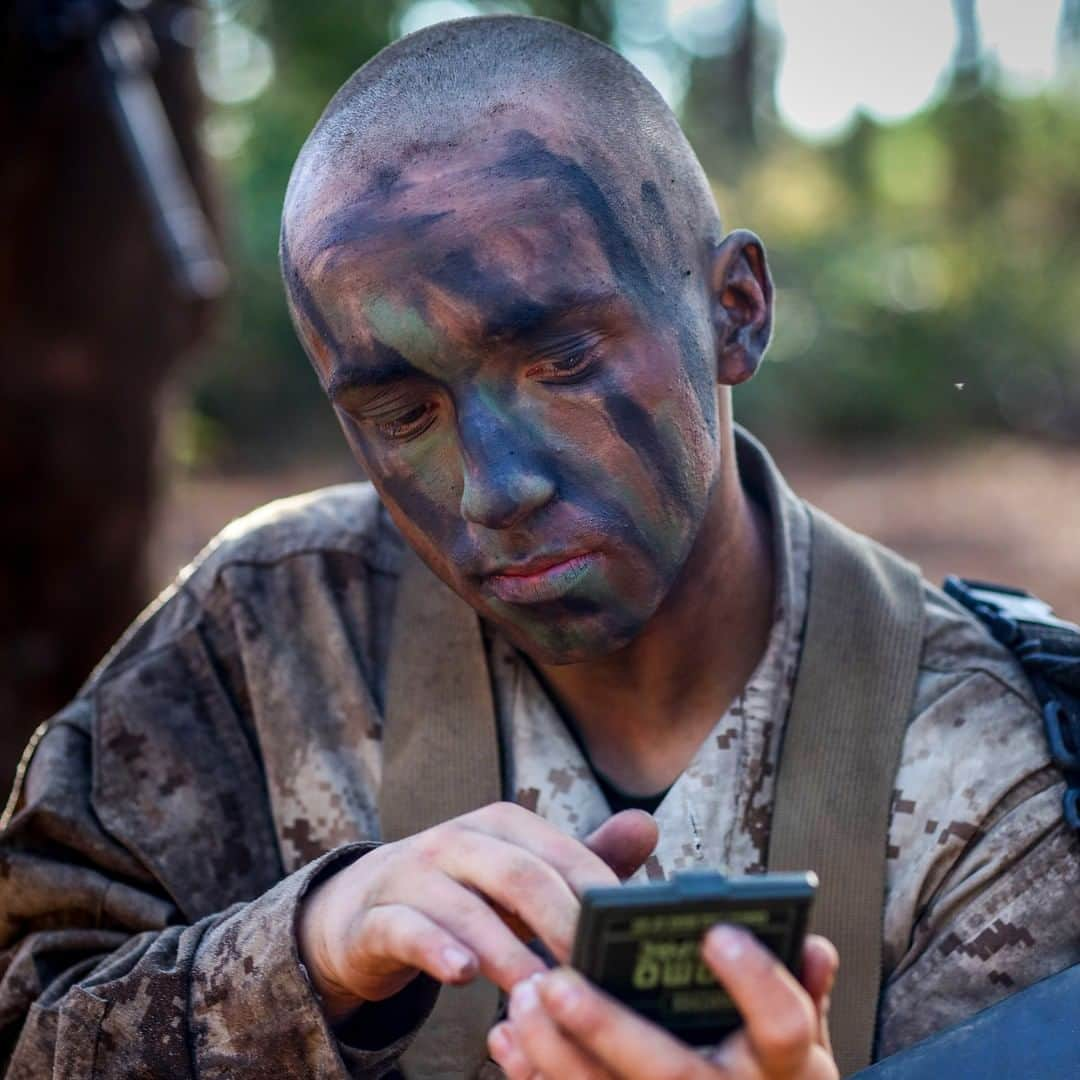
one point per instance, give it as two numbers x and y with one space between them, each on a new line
1048 649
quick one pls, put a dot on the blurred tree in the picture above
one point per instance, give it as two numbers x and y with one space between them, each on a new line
974 124
967 58
256 399
1070 20
1069 43
592 16
93 327
730 97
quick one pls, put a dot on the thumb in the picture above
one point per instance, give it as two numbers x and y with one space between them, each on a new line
625 841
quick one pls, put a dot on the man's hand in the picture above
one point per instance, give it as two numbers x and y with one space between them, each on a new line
458 899
563 1028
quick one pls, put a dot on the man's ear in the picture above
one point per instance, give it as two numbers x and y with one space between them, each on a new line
742 306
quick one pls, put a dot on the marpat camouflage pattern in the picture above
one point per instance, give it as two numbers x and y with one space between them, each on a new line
227 753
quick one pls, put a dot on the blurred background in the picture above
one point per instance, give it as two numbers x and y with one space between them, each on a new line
913 168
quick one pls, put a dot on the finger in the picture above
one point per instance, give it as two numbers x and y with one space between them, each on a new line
781 1020
548 1049
581 868
507 1052
737 1060
820 964
522 884
403 935
469 918
625 841
619 1040
736 1057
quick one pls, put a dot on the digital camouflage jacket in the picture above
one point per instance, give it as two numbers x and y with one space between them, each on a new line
227 753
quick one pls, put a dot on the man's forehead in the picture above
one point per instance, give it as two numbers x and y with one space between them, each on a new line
515 175
460 239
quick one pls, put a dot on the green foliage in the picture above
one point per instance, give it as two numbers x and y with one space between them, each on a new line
909 259
927 275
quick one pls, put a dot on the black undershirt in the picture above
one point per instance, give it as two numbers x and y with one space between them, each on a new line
618 799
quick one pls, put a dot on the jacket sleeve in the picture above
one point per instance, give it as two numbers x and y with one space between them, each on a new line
146 927
985 873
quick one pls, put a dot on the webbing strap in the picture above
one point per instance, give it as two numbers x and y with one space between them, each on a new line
440 760
850 706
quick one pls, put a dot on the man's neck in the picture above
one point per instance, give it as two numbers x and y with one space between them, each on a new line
643 712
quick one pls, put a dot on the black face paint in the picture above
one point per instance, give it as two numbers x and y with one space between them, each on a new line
384 180
359 221
657 213
636 428
487 290
424 512
530 159
304 301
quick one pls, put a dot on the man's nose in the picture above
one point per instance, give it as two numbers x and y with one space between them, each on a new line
501 484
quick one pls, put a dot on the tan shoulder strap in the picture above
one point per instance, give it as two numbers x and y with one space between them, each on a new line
851 703
440 760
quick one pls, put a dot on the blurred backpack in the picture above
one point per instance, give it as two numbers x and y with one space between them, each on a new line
1033 1032
1048 649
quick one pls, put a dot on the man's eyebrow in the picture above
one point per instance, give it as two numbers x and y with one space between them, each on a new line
387 367
519 320
524 319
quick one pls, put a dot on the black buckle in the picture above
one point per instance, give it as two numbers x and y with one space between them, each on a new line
1071 804
1048 648
1006 611
1063 734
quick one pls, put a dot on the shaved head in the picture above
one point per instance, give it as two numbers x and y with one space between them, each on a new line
505 264
443 89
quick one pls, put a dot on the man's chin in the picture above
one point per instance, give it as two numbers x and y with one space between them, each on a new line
569 640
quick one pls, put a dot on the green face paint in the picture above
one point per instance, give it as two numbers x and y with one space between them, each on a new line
402 327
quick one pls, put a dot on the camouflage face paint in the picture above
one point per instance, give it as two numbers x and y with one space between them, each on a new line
533 402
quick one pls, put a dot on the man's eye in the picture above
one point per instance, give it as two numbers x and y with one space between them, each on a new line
408 424
569 367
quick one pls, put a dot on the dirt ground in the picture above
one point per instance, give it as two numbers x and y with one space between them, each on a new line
1003 510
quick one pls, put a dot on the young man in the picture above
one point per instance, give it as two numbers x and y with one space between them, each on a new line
508 270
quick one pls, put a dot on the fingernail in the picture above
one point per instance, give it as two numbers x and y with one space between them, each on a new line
729 944
457 960
524 998
563 991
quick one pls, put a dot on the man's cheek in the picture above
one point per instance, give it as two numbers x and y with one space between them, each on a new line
679 423
650 463
418 484
428 496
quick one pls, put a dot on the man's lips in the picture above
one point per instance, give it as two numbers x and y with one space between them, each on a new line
545 577
530 567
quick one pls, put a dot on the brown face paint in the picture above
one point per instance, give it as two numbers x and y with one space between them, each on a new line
501 367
